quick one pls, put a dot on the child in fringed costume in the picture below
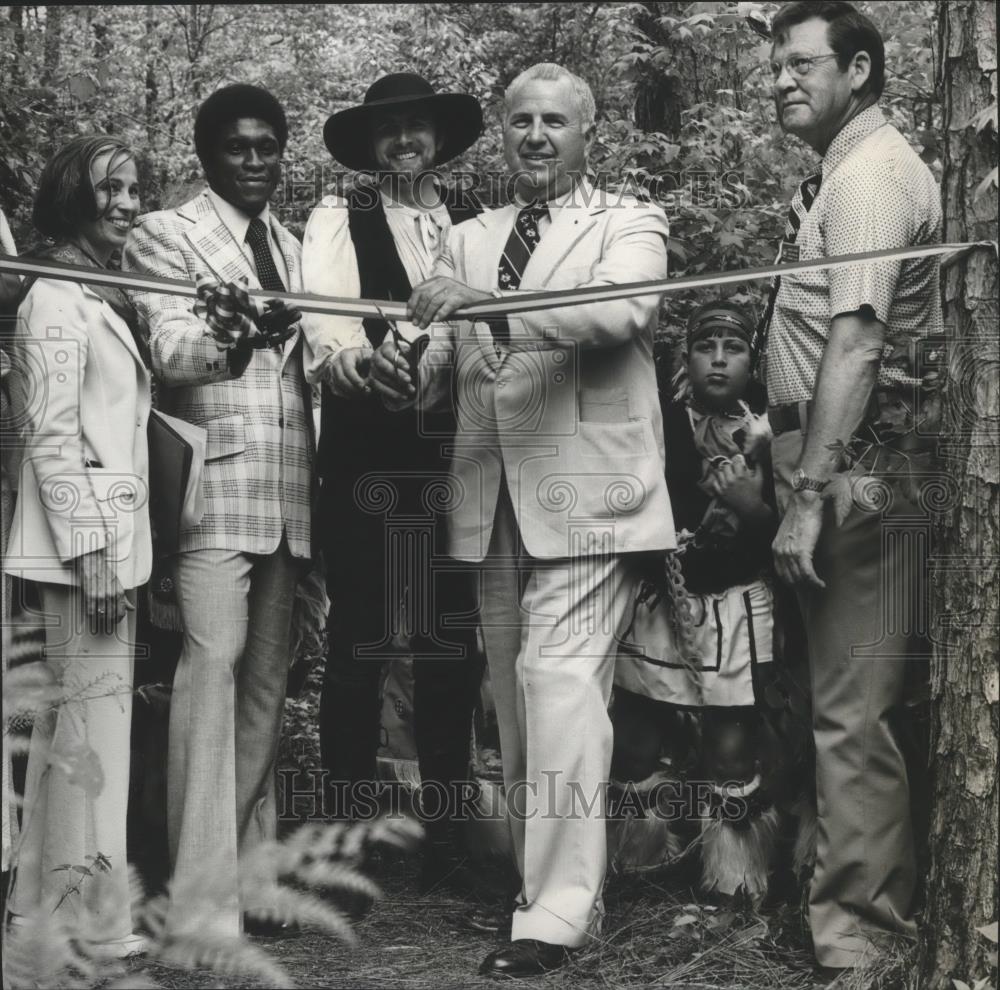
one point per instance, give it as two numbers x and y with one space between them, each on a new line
697 657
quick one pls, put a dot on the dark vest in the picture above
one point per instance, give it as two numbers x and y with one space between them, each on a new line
360 436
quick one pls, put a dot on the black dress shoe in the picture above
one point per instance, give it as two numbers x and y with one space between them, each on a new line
525 957
268 928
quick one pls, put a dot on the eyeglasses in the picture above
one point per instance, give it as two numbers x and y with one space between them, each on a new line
797 65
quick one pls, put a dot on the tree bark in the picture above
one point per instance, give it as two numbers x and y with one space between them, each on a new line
659 96
16 16
962 888
53 41
688 74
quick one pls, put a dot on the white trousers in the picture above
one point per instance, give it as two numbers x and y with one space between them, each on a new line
76 792
550 630
225 720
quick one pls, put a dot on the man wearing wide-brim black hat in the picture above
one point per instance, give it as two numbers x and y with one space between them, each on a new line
458 120
376 243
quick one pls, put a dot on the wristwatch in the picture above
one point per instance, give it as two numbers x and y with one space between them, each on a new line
801 482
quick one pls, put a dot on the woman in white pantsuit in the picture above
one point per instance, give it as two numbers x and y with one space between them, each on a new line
81 532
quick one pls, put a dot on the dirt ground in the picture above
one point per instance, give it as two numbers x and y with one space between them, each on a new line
656 935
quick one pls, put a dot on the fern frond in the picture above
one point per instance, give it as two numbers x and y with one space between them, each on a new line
153 916
222 954
43 951
400 833
136 890
337 876
333 841
29 688
17 744
25 646
285 904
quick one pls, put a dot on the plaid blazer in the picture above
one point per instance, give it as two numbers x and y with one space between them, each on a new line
258 476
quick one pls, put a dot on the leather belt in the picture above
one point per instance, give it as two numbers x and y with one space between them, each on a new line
788 417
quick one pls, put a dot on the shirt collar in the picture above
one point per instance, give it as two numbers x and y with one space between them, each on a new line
566 199
236 221
414 212
851 135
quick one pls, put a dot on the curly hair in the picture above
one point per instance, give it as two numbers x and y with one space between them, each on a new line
231 103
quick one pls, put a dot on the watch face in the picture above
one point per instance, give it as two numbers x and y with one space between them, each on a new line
798 478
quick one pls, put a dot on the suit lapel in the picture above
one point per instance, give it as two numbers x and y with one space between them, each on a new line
215 245
290 250
121 330
569 226
482 262
485 260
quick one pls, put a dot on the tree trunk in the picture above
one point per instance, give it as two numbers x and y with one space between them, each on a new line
659 98
152 88
16 16
53 41
962 888
688 73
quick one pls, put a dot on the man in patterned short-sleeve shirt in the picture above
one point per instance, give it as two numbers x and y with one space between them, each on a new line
848 349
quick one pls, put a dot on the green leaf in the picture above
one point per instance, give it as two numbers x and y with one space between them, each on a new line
985 117
685 919
676 248
984 187
84 870
82 87
81 765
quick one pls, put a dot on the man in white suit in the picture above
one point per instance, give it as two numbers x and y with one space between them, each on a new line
557 476
236 572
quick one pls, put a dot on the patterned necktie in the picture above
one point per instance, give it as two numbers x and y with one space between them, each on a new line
267 271
523 240
802 201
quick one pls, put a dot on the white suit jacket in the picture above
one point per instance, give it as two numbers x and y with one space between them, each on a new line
569 412
82 394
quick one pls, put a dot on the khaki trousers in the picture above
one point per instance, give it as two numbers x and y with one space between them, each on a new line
863 630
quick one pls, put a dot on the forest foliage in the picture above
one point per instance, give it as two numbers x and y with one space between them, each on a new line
681 88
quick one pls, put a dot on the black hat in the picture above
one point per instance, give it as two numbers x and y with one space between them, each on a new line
460 119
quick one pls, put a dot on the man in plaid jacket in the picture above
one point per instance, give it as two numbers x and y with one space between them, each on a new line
236 570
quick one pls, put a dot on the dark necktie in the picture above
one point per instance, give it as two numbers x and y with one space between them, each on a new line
523 240
267 271
802 201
